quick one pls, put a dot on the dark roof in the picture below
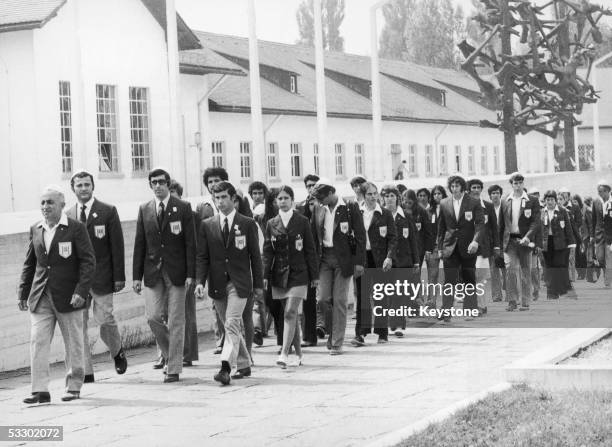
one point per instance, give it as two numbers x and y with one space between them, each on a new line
18 15
206 61
399 102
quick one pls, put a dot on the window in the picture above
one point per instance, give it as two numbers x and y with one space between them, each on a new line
496 159
412 159
339 152
471 169
65 104
428 160
296 159
108 160
139 129
359 159
293 83
315 151
272 160
245 160
484 161
458 159
218 154
443 160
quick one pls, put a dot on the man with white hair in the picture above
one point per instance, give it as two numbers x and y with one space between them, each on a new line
601 231
55 281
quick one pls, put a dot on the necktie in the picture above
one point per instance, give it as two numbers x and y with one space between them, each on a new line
225 231
83 217
160 214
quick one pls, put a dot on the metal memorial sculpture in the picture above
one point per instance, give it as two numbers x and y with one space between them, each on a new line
540 88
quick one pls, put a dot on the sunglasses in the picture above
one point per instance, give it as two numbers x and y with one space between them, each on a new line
159 182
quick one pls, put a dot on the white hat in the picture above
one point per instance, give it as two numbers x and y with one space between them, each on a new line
604 182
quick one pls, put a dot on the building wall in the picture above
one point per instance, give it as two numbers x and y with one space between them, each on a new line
116 42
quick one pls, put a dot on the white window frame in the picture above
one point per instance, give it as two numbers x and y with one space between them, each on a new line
496 164
412 160
293 87
484 160
246 160
458 161
339 157
470 160
272 160
140 135
359 158
217 150
65 109
444 159
106 114
295 151
429 160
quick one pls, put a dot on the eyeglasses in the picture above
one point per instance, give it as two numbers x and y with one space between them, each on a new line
161 182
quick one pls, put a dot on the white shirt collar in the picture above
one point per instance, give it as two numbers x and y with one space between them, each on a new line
230 218
524 196
376 208
88 204
157 202
63 221
399 210
285 216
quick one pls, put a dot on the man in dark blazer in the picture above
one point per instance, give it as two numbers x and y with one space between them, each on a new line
229 260
340 237
460 234
309 307
164 256
106 236
521 227
55 281
496 262
601 231
490 245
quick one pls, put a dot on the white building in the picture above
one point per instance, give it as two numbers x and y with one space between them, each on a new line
85 84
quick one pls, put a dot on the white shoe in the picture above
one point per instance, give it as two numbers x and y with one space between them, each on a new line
282 361
298 361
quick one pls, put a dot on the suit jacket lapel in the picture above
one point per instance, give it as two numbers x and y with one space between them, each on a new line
152 213
167 213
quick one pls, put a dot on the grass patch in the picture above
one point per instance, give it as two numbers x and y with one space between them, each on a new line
523 416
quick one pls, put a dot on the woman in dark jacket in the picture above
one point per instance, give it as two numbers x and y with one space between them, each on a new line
557 239
290 266
421 221
433 259
406 252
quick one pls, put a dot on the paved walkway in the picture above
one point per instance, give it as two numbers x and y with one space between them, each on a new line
330 401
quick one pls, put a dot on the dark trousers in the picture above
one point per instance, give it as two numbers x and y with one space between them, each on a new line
460 269
557 275
310 316
190 350
363 324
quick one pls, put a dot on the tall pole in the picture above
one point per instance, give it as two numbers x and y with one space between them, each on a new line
258 154
327 168
507 94
173 73
379 174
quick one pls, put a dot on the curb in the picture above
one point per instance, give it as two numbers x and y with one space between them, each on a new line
394 438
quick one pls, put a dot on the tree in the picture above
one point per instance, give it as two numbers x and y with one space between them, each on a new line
332 18
422 31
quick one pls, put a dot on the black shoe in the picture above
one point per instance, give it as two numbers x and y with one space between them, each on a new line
511 306
321 333
222 377
358 341
171 378
89 378
41 397
71 395
120 362
242 373
160 363
218 350
258 338
308 344
187 363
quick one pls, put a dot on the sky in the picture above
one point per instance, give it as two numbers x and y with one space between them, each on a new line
276 19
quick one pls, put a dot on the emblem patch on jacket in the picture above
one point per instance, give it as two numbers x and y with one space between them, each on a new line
562 223
383 231
527 213
405 232
99 231
433 218
175 227
418 226
468 216
299 243
344 227
486 219
240 242
65 249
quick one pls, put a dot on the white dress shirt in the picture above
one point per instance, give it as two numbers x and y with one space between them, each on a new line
457 206
165 201
516 211
88 206
328 226
367 220
230 219
49 233
285 216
